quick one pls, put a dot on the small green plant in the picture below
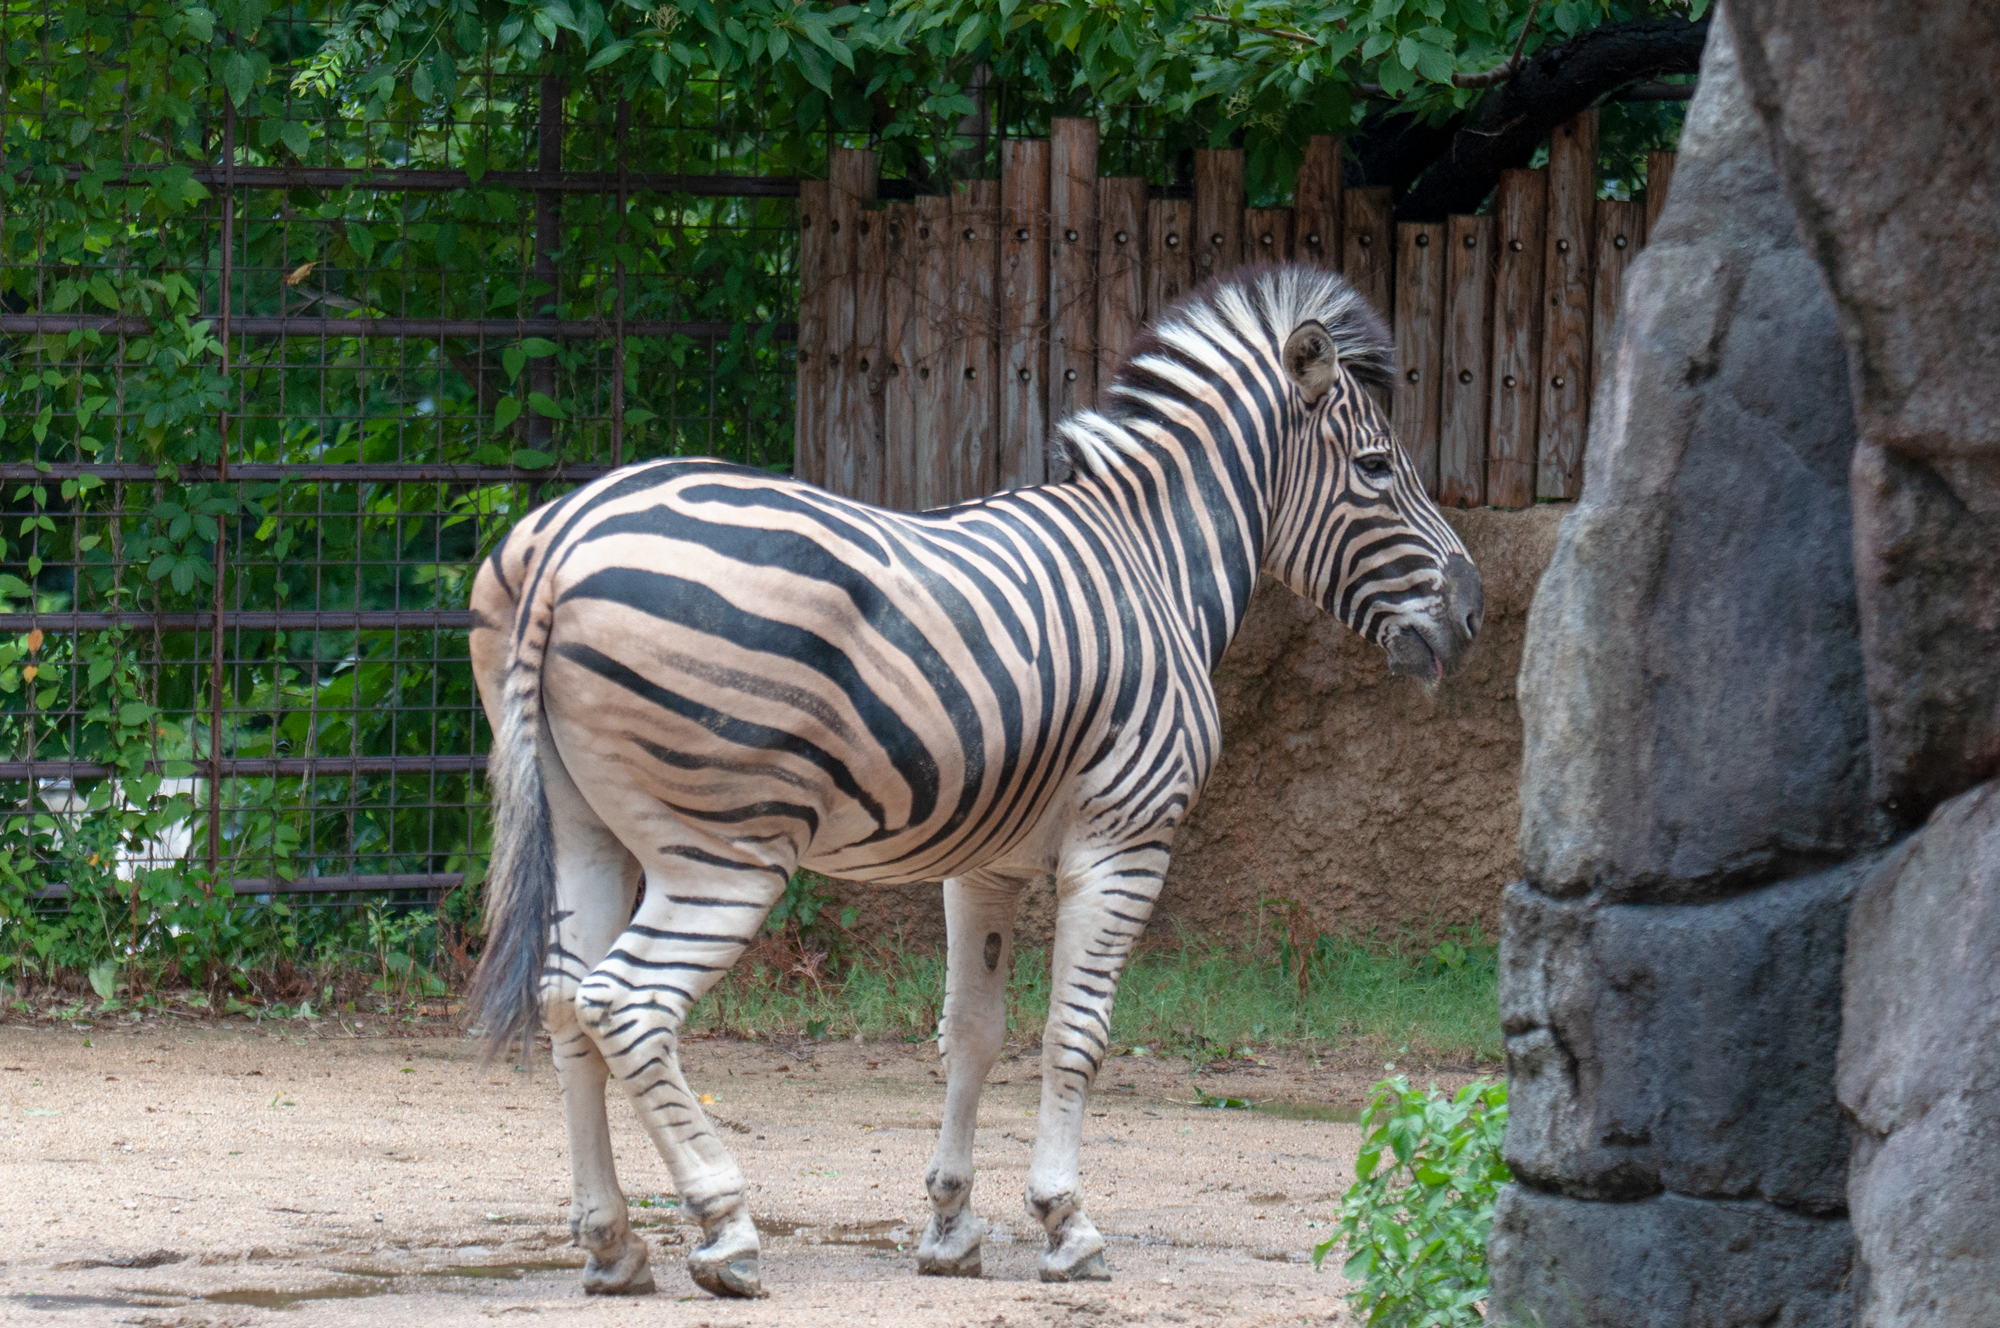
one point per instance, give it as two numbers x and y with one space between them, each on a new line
1414 1224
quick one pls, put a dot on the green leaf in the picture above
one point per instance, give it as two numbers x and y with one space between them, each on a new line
506 412
104 978
607 55
1435 64
527 458
236 74
512 360
134 713
639 415
420 85
542 404
536 348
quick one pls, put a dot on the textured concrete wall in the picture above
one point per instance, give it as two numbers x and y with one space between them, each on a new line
1380 809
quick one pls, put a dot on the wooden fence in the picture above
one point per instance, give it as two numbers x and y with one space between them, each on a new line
939 338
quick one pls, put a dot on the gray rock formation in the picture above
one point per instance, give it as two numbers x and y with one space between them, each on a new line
1680 1048
1667 1262
1920 1073
1883 115
1717 699
1695 766
1691 694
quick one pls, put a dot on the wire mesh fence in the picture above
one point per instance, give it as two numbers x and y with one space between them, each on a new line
273 379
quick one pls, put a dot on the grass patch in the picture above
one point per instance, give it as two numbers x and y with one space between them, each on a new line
1192 998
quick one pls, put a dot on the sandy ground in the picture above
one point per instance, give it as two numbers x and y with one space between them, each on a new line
167 1174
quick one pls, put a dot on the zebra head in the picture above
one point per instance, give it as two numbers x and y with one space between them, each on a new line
1351 526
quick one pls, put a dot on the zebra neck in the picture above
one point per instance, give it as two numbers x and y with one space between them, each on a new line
1198 525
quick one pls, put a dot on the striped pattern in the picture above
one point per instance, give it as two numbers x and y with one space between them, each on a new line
709 677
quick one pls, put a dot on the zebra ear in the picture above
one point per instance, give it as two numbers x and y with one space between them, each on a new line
1311 360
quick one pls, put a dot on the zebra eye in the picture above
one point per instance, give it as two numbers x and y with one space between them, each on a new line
1375 464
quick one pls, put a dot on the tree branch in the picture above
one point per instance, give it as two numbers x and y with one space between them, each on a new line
1554 86
1285 34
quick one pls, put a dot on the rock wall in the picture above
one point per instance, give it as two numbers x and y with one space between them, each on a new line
1898 197
1754 1045
1379 809
1696 758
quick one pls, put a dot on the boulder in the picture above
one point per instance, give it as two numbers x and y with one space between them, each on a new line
1685 1048
1920 1073
1927 550
1668 1262
1691 686
1882 115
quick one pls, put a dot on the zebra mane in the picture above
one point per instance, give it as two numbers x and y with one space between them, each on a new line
1252 309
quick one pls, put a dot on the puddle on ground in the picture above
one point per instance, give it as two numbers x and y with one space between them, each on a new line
274 1299
156 1259
509 1271
888 1234
136 1300
1320 1111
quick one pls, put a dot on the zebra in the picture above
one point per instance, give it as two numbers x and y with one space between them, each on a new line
702 677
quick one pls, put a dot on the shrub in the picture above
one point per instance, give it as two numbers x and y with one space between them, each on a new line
1414 1223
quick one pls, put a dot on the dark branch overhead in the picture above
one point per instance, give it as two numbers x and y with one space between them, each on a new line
1511 121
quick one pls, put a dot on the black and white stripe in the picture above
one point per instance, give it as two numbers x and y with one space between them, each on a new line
738 675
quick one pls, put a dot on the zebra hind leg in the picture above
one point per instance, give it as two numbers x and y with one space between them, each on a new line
979 928
700 911
1100 915
596 882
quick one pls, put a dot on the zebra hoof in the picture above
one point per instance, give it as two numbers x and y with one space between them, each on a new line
619 1270
737 1278
951 1248
1075 1253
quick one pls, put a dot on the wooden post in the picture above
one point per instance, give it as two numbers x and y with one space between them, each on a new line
1121 272
1570 231
891 379
1267 235
815 298
871 349
1316 206
972 364
1518 210
1416 402
1659 175
851 187
1617 242
1024 310
1072 266
930 332
1169 253
1468 360
1367 245
1218 211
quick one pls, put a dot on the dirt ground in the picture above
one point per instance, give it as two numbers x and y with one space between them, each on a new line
164 1173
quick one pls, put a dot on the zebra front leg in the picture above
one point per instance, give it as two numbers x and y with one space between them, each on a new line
979 928
685 936
1100 914
596 883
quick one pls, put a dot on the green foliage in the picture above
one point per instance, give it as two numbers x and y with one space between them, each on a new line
1414 1224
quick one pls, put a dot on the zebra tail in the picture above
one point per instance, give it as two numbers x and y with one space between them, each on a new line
521 872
